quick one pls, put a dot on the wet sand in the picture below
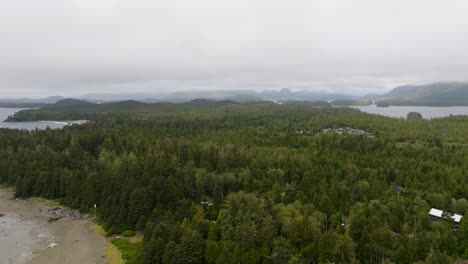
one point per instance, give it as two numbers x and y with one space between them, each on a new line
26 236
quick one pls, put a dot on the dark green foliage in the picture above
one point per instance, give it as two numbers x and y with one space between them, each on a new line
128 233
219 182
282 251
414 116
130 251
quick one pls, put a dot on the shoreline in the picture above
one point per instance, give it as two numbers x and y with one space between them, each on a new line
28 236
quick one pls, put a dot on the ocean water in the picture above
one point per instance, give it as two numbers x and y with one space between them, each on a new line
426 111
5 112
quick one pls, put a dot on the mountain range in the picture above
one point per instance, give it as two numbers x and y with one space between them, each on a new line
240 96
29 102
234 95
435 94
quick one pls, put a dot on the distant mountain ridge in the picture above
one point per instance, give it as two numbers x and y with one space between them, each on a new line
435 94
240 96
28 102
46 100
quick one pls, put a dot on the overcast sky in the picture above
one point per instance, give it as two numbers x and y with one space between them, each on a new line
73 47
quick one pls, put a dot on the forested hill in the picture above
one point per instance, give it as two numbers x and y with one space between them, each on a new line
436 94
74 109
255 183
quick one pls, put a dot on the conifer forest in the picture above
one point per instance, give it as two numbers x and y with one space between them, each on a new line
254 183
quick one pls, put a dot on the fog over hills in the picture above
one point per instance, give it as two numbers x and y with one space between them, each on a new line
235 95
45 100
435 94
185 96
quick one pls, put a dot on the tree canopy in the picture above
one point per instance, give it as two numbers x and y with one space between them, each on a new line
255 183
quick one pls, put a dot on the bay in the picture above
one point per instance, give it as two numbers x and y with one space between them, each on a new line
5 112
426 111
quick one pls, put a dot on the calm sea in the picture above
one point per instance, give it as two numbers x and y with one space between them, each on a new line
5 112
425 111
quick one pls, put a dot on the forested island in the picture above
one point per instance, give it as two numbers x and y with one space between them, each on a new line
350 103
223 182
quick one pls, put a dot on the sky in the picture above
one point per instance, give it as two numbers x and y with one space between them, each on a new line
75 47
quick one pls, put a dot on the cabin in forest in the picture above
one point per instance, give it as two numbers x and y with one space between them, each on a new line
437 214
348 131
207 201
456 218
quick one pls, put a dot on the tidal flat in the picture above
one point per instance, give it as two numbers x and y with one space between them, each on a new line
28 236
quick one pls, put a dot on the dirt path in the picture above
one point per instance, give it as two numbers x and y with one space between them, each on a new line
26 236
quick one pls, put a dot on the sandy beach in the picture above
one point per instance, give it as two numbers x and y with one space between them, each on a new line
26 235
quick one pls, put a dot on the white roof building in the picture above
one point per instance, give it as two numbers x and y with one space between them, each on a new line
436 212
439 213
456 217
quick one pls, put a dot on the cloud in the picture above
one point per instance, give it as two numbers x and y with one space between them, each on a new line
355 46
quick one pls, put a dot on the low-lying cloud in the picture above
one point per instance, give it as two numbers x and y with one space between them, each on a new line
72 47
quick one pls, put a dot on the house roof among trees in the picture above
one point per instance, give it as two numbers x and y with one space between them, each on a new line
436 212
439 213
456 217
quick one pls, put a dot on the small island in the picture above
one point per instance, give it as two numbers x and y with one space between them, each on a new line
414 116
382 104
